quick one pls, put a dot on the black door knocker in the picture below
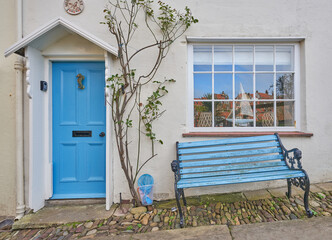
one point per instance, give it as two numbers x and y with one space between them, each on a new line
80 79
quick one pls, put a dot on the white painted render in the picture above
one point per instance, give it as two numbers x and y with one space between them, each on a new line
306 22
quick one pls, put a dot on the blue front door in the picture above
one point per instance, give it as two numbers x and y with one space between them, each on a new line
79 115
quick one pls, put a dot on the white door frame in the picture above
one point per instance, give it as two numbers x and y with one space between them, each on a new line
48 169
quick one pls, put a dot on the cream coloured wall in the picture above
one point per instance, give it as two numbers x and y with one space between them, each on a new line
224 18
7 111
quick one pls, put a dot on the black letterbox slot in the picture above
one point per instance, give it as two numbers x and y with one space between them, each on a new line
82 133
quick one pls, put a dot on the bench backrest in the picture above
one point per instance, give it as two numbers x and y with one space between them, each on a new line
230 156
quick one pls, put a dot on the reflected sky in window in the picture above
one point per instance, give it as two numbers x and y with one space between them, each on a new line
202 85
223 86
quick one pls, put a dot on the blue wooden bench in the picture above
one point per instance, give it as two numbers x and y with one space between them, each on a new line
237 160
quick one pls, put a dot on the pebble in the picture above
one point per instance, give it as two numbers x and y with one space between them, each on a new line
88 224
292 216
145 219
156 218
314 203
166 219
138 210
153 224
155 229
91 232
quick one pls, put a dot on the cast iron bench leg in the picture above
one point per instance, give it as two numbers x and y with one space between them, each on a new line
183 198
306 197
289 185
178 195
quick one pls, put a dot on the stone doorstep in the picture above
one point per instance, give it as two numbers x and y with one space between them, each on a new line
59 215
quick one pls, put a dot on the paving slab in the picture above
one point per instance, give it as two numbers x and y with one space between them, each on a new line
327 187
200 233
307 229
257 194
281 192
57 215
315 189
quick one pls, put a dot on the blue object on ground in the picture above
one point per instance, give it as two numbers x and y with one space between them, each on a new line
145 184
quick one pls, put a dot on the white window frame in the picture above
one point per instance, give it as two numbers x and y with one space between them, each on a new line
297 97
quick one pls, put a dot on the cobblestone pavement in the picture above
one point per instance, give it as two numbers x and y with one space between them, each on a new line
138 220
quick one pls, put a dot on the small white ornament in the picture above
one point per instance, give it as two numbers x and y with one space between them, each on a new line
73 7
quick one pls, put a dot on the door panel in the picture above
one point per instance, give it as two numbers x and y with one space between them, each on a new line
78 162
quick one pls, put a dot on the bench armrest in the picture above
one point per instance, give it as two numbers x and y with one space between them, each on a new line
292 157
296 155
176 169
174 166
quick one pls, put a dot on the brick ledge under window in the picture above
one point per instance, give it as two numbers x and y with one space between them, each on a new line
245 134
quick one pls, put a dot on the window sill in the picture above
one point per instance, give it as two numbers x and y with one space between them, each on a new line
245 134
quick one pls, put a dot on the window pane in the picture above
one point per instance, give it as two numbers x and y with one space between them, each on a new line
244 116
264 86
203 86
223 56
264 114
223 114
264 58
244 86
244 58
285 86
284 58
285 114
202 58
223 86
202 114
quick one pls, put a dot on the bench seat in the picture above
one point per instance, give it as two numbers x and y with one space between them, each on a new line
237 160
239 178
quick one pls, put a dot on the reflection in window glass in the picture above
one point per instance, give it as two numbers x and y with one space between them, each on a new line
240 85
202 58
223 86
244 116
202 85
244 58
243 86
203 114
264 86
223 58
285 114
285 86
284 58
264 58
223 114
264 114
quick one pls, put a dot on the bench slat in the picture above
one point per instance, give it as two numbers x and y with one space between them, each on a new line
231 161
234 172
228 147
242 179
230 154
239 176
232 167
227 141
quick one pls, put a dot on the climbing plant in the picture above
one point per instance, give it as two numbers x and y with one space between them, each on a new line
164 25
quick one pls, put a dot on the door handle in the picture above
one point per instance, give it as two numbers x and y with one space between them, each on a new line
102 134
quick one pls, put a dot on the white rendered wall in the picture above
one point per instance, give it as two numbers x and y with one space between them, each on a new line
7 111
224 18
